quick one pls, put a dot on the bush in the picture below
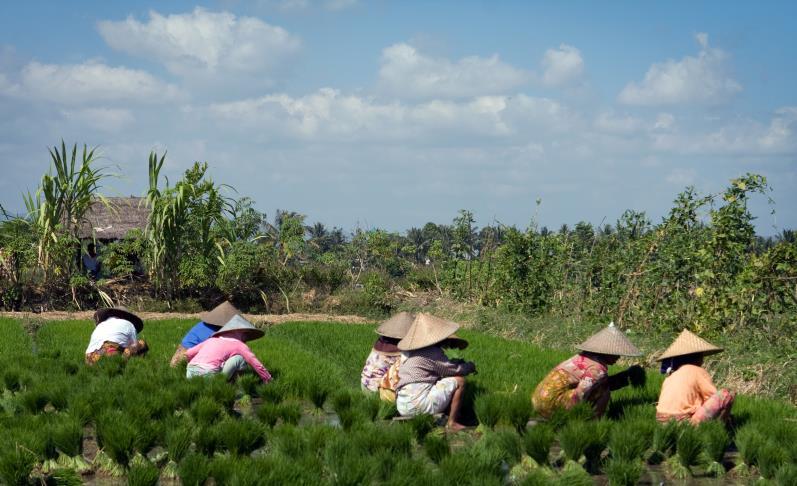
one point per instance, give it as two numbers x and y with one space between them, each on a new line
537 442
624 472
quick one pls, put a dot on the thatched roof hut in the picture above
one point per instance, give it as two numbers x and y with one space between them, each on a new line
112 221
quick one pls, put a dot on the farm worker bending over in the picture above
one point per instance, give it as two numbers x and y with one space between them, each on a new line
585 376
211 322
384 355
116 333
688 393
430 382
226 352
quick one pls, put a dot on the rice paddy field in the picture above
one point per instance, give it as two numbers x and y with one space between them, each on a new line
141 422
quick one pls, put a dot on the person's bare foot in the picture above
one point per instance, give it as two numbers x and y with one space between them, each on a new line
454 427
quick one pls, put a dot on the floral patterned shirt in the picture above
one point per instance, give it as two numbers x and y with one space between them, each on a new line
572 381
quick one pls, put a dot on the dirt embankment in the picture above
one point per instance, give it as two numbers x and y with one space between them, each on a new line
265 319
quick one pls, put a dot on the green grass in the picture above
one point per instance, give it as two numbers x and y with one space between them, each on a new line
141 407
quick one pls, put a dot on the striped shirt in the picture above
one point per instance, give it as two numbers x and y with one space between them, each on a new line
429 365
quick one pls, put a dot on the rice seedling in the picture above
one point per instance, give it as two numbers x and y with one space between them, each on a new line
67 436
223 467
422 425
249 383
387 410
409 471
206 411
220 391
347 465
318 393
436 447
715 440
240 437
624 472
579 412
586 439
504 444
349 417
471 466
574 475
749 441
787 475
628 441
518 411
369 405
290 412
537 477
341 400
63 477
771 458
117 436
16 463
489 409
194 469
689 447
537 443
269 413
207 440
665 438
12 380
178 441
35 400
143 474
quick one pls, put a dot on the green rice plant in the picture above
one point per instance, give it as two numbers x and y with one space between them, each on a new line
240 437
436 447
422 425
34 400
67 436
223 467
689 446
178 441
220 391
341 400
12 379
143 474
16 463
117 436
318 393
505 444
369 406
194 469
624 472
268 413
579 412
665 439
347 464
350 417
787 475
387 410
588 439
489 408
249 383
715 440
628 442
63 477
771 458
574 475
537 442
206 411
185 393
290 412
749 441
518 411
82 408
470 466
289 440
537 477
207 440
409 471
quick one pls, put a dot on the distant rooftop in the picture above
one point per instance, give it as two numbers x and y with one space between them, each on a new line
112 221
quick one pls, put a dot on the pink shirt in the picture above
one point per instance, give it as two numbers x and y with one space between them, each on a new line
212 354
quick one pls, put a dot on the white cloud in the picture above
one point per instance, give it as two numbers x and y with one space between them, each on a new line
619 124
203 43
406 72
701 79
562 66
681 177
103 119
90 81
299 5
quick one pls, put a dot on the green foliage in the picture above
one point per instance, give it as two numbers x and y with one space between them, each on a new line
436 447
750 443
771 458
689 446
537 442
627 443
194 469
624 472
715 439
489 408
143 474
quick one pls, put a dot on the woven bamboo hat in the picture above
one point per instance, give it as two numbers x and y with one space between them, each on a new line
220 315
120 313
397 326
688 343
427 330
611 341
238 323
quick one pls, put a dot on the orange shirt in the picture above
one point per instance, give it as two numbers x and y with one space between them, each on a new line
684 391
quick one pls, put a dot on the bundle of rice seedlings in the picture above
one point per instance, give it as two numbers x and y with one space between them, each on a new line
771 458
63 477
624 472
387 410
665 438
290 412
749 441
537 477
350 417
588 439
240 437
220 391
117 436
574 475
268 413
206 411
518 411
16 463
537 443
341 400
82 408
178 441
12 379
627 443
318 392
580 412
715 440
143 474
194 469
408 471
207 440
185 393
67 436
436 447
223 467
249 384
787 475
348 465
489 409
289 441
369 405
471 466
422 425
34 400
504 444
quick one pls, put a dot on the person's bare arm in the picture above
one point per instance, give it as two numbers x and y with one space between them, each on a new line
179 356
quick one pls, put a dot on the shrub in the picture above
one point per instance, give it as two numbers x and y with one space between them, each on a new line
489 408
143 474
624 472
436 447
689 446
537 442
194 469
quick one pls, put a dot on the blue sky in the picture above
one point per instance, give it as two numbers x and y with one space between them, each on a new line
392 114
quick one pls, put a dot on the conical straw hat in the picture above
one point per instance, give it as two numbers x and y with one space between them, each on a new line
397 326
427 330
220 315
238 323
610 340
119 312
688 343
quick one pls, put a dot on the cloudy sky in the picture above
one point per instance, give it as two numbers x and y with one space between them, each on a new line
391 114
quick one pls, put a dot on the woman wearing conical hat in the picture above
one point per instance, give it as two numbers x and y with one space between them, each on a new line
115 333
585 376
688 392
210 322
385 352
430 382
226 352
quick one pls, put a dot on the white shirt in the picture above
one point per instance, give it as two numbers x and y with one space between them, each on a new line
115 330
